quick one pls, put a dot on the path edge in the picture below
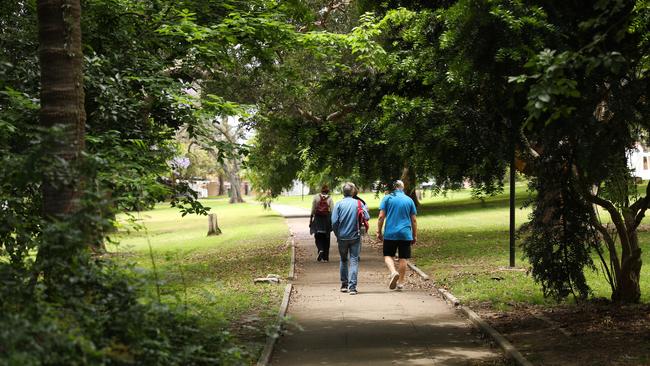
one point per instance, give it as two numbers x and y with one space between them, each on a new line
505 345
272 339
415 268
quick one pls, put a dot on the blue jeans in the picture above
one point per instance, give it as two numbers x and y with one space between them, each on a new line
351 247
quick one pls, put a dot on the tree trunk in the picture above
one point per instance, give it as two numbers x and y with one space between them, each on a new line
410 184
62 97
235 183
623 273
213 226
221 181
62 113
629 289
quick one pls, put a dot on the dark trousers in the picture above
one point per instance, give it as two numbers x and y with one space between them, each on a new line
323 244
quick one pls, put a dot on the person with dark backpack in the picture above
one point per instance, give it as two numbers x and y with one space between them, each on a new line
320 222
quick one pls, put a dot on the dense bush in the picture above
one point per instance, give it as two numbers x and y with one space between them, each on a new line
61 302
98 316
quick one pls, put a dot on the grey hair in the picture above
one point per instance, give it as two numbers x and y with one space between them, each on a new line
348 189
398 184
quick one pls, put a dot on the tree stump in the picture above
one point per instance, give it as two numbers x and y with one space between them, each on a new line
213 227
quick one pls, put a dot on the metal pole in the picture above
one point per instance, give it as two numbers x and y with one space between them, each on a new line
512 209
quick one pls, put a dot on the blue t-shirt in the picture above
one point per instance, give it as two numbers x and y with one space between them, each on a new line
398 208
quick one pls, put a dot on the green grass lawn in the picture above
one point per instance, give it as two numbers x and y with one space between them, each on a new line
214 275
463 244
372 199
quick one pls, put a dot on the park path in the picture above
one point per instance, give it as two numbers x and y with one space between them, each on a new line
376 327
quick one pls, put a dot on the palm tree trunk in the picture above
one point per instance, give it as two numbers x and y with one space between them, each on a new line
62 97
62 113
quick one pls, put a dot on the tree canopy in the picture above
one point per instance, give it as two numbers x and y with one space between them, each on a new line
449 91
94 92
139 71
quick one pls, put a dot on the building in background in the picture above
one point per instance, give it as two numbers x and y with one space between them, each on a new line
210 188
639 161
298 189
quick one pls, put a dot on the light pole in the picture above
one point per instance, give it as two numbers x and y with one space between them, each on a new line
512 208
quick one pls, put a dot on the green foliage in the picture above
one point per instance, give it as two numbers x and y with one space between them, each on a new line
559 240
388 106
100 319
212 275
585 111
146 66
447 91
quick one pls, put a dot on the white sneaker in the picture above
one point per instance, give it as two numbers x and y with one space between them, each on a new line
393 280
400 287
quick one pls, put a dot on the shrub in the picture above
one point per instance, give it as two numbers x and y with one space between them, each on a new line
98 317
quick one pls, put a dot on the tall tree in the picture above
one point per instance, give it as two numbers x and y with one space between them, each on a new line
223 138
63 116
62 98
381 107
450 89
588 107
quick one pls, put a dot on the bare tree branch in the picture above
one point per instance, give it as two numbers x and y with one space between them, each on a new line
189 147
531 151
223 129
639 208
617 219
614 214
327 11
308 115
611 246
345 110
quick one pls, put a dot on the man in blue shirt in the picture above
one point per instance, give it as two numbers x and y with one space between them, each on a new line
345 224
398 210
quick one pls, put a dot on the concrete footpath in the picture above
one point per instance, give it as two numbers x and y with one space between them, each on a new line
376 327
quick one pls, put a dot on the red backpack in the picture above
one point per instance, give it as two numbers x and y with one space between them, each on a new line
361 218
323 207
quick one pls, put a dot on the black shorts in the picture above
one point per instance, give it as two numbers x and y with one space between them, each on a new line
391 247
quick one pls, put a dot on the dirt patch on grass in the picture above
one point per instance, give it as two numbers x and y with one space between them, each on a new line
596 333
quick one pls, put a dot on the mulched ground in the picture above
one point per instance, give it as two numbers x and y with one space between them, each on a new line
594 333
590 334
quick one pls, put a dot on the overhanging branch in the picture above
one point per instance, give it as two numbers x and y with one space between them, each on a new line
529 148
308 115
342 113
327 11
335 116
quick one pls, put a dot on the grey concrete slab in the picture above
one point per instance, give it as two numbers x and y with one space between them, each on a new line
376 327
